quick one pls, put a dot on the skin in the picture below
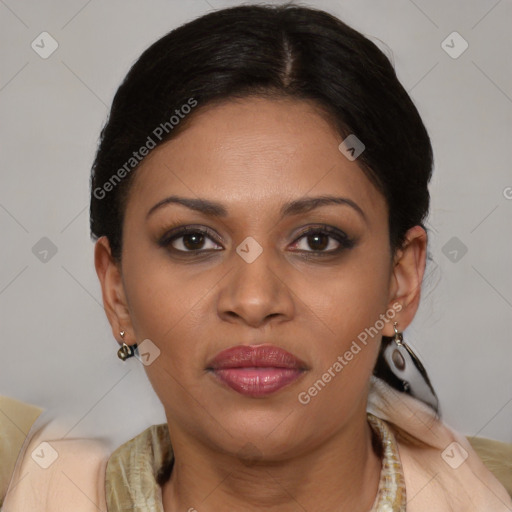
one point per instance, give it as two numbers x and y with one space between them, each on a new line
254 155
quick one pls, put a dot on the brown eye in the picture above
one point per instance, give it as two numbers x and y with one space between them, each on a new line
189 240
318 241
325 240
193 241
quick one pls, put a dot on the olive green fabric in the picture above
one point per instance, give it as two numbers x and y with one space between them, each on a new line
16 419
497 457
131 474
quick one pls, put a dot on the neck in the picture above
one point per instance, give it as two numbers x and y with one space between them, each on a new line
340 474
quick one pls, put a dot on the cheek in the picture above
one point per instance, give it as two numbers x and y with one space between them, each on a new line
349 298
167 306
163 309
348 308
348 344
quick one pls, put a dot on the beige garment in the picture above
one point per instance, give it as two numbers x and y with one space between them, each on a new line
442 471
50 475
16 420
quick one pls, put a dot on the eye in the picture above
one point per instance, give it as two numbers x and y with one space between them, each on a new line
189 239
323 240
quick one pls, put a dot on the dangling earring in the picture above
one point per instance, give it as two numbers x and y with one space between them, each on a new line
125 351
396 356
406 366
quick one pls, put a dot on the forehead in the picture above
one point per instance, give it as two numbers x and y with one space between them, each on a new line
254 151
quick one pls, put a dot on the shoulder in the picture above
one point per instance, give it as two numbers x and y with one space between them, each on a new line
442 470
451 478
448 473
16 419
54 475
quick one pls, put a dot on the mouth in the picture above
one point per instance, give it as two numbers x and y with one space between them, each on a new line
256 370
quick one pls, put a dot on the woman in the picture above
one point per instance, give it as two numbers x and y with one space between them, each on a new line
258 199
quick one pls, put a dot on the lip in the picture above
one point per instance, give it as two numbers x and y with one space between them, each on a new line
256 370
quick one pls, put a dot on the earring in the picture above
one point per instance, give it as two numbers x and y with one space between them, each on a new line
397 358
407 368
126 351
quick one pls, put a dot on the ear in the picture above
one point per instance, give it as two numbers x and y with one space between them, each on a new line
406 279
112 288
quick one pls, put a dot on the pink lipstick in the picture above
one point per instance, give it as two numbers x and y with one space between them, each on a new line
256 370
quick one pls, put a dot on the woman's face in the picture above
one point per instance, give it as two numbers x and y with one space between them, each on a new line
255 277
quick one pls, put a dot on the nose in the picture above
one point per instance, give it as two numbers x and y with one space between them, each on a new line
256 292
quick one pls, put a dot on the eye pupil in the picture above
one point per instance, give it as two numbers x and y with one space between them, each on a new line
196 239
316 246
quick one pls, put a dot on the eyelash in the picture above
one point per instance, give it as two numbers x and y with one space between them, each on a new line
341 237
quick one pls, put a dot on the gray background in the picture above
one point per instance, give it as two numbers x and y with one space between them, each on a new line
56 346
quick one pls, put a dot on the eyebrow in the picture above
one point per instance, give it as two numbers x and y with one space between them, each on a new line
216 209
